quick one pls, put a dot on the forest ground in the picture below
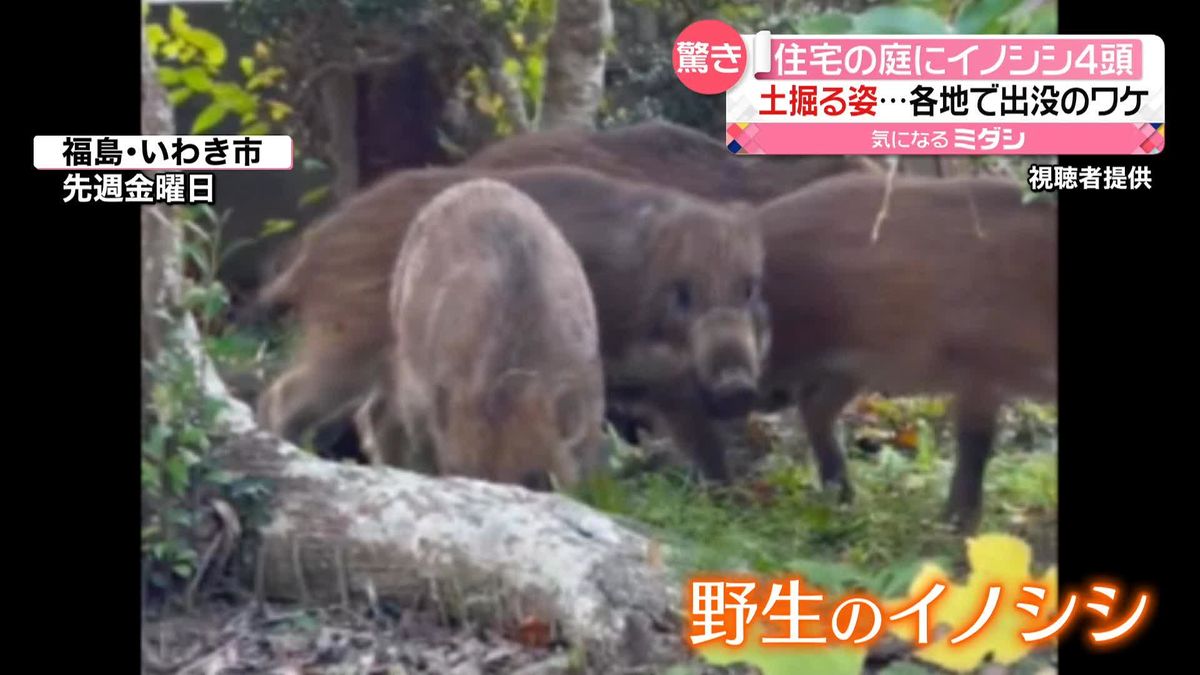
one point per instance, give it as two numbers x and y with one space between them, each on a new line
772 521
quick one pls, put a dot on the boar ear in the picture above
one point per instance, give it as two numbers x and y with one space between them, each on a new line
571 414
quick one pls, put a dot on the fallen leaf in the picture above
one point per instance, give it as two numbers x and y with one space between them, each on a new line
533 633
785 659
995 559
907 438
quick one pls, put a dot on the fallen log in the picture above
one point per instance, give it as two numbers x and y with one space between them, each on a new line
485 552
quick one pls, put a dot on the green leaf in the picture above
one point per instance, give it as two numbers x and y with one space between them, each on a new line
234 97
209 117
198 257
196 79
178 96
313 196
168 76
177 474
264 78
278 110
899 21
155 36
177 20
277 225
984 16
151 480
829 23
535 77
193 437
256 129
182 569
211 45
153 446
187 53
247 65
171 49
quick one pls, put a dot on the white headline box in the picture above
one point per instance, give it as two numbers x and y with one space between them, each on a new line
163 153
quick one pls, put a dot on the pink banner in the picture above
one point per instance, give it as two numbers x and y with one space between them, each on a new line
945 139
1035 58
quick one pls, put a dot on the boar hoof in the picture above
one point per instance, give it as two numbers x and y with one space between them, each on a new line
839 487
963 519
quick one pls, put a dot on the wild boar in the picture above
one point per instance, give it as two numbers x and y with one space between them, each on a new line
958 295
676 282
668 154
497 371
672 155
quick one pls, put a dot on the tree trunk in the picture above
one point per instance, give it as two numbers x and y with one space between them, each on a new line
161 270
508 88
575 56
338 92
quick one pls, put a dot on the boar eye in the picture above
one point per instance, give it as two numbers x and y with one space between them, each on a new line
681 296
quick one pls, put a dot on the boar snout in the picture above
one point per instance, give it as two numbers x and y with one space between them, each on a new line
732 395
728 360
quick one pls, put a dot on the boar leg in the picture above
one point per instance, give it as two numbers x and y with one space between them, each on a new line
689 426
328 382
821 401
383 439
418 442
976 421
289 406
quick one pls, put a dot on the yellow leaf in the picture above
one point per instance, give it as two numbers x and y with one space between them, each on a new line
279 110
995 560
178 20
786 659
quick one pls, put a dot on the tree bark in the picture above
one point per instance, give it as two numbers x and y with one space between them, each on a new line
508 88
160 239
575 56
486 552
338 92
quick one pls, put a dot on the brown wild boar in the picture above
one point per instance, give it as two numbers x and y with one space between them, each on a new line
676 156
675 282
658 152
496 368
958 295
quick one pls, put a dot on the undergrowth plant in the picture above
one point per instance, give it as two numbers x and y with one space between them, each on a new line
181 484
183 490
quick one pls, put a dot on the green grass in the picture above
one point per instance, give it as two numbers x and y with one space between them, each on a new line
775 521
